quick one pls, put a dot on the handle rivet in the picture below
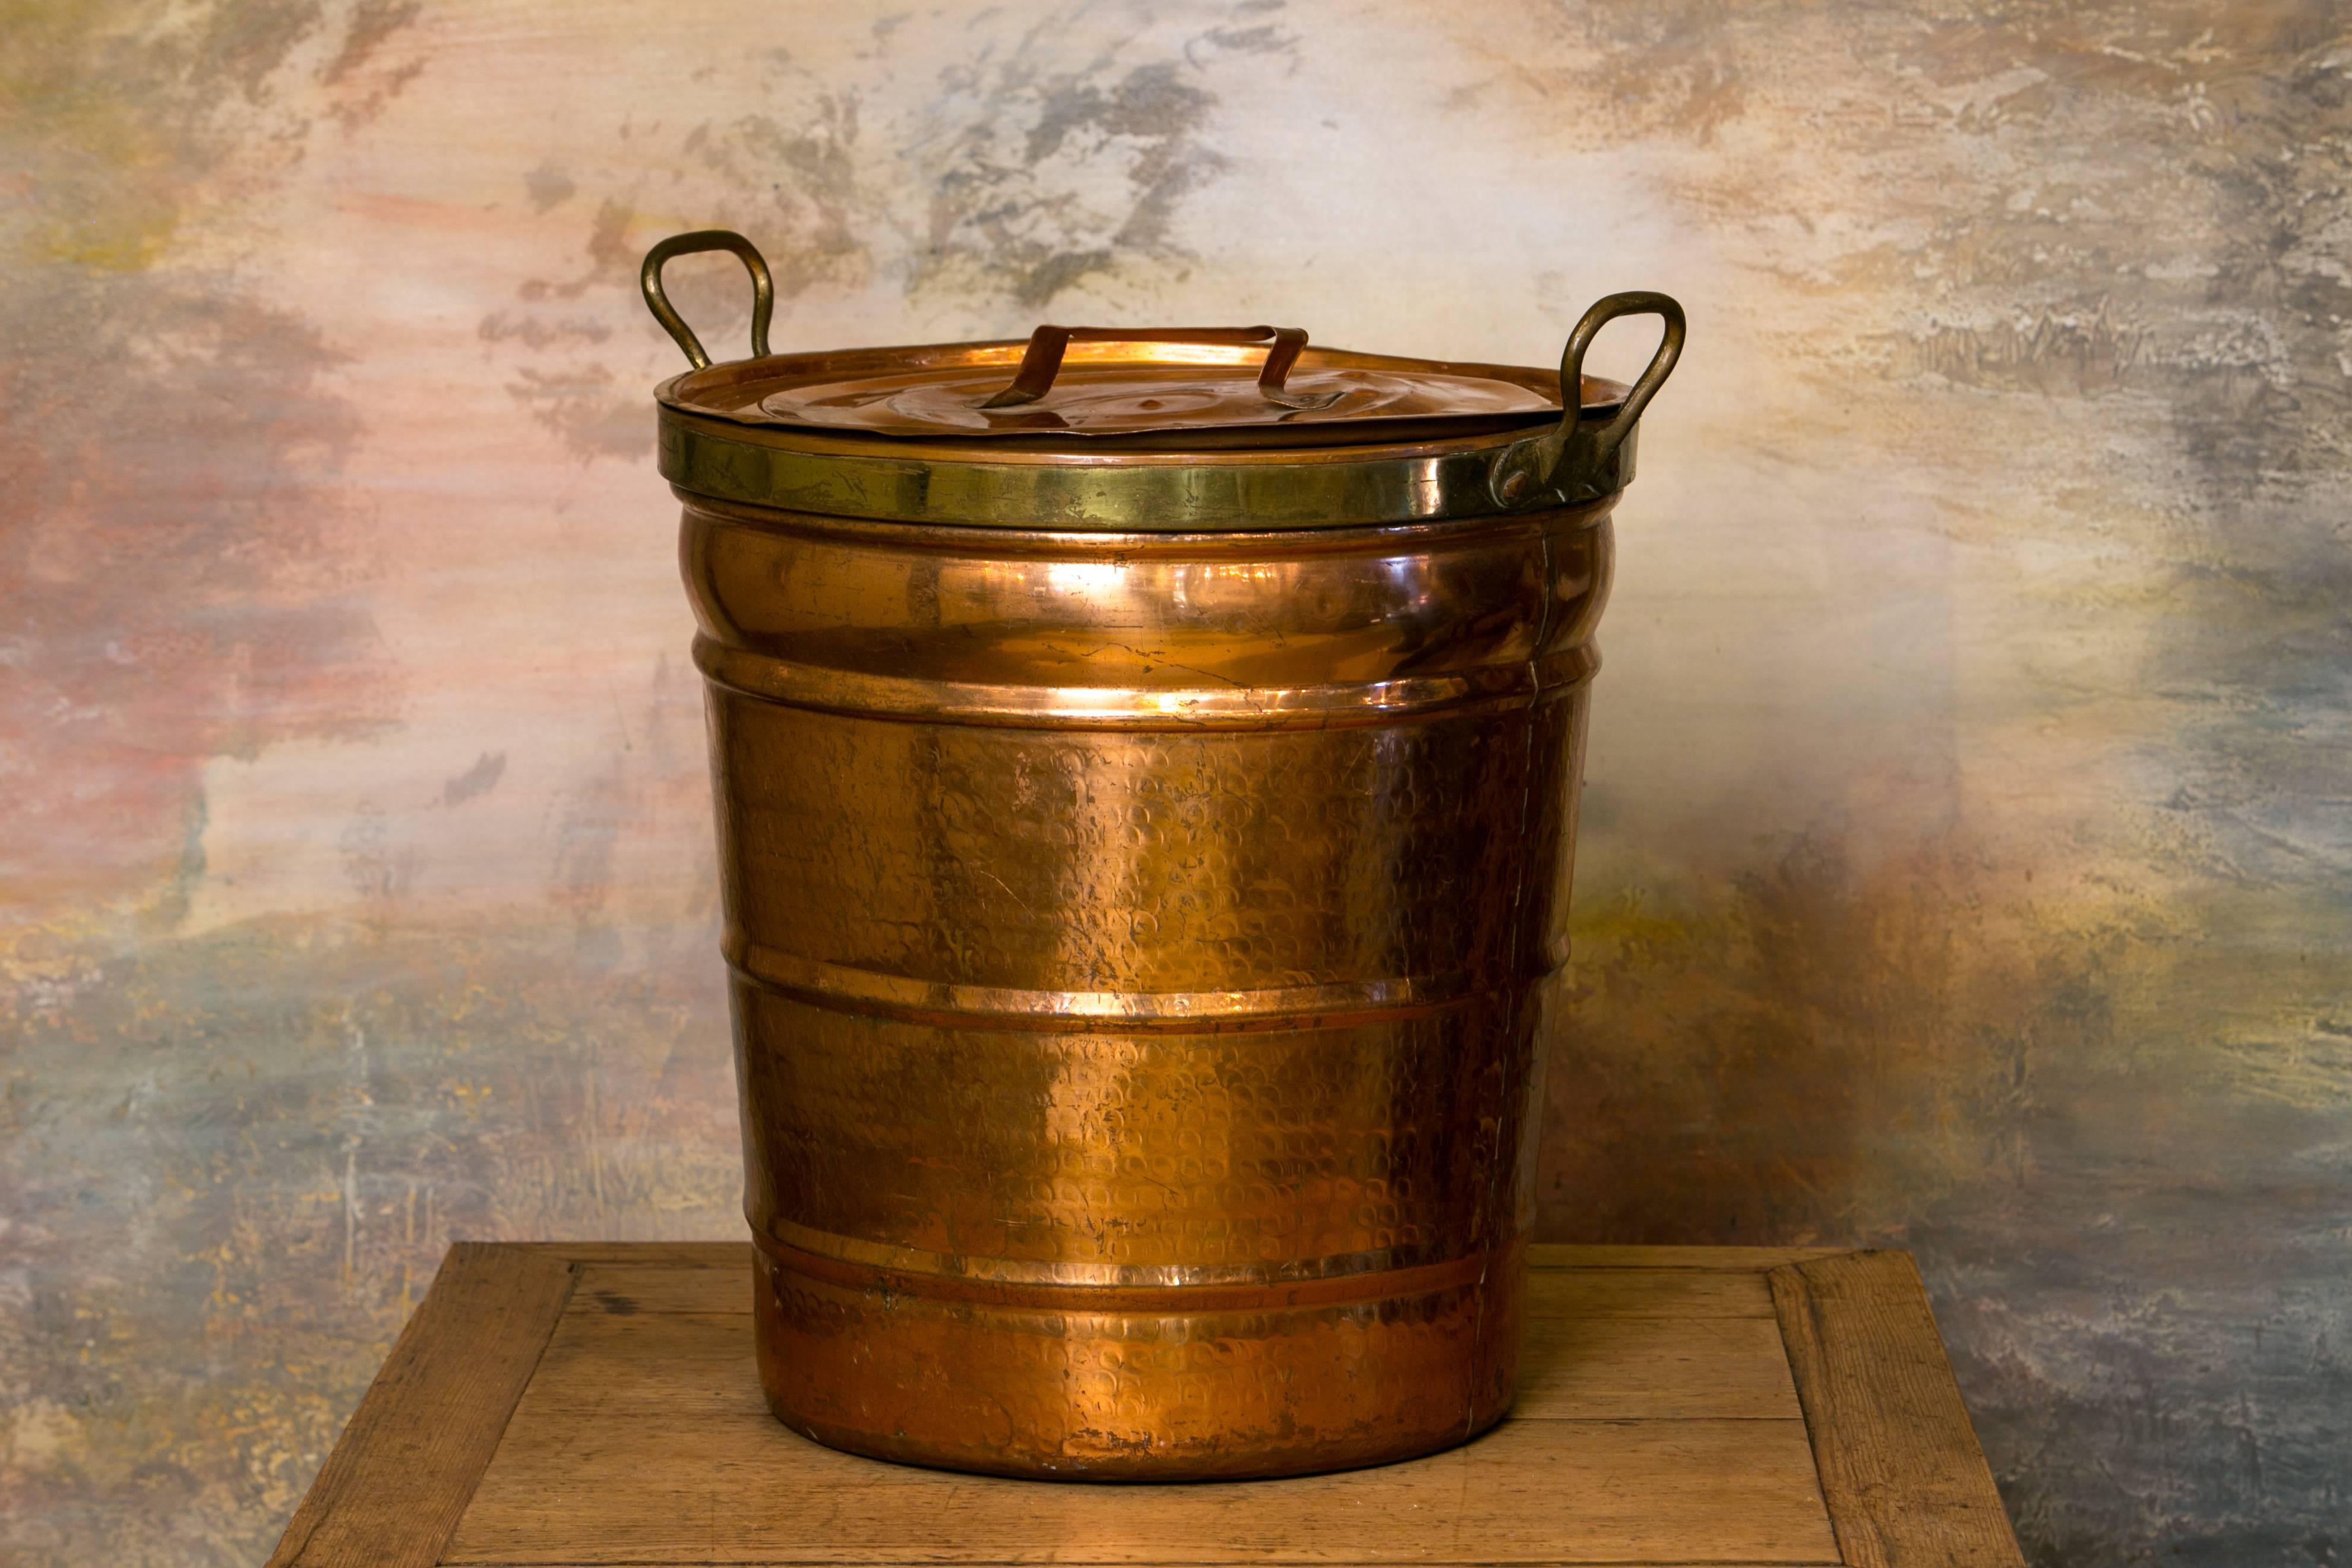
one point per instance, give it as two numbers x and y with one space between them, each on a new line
1515 486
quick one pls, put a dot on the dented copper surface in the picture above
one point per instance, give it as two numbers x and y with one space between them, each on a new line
1138 925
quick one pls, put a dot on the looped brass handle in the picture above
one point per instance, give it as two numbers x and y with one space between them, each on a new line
764 289
1640 302
1043 361
1562 464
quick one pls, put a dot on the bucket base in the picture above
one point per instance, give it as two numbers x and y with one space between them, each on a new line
1155 1384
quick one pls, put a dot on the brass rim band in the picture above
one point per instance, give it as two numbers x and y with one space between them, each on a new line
1082 1288
1335 488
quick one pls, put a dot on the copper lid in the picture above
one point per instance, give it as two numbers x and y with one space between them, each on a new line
1101 428
1183 382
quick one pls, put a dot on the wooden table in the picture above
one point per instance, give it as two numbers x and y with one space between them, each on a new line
555 1404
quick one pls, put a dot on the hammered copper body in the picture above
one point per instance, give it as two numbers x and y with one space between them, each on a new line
1138 943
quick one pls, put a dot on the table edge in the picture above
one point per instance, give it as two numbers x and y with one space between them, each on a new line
1838 1310
435 1416
1901 1470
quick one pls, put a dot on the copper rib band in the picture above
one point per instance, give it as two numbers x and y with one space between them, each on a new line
1147 1300
864 695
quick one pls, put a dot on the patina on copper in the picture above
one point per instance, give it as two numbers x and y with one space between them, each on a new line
1141 867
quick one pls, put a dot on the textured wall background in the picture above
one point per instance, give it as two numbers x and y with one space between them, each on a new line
1968 861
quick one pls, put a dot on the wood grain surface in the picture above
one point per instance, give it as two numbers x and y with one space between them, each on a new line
725 1286
1656 1423
392 1491
564 1405
1544 1255
1907 1483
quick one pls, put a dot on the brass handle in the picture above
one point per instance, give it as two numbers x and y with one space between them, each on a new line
764 289
1042 363
1563 464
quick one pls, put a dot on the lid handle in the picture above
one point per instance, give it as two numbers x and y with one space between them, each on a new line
1042 363
764 289
1539 471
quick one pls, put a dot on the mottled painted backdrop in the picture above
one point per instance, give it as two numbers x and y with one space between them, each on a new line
1969 836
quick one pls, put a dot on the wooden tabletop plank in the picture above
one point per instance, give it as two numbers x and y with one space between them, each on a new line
1687 1445
1544 1255
1899 1463
725 1286
1659 1369
646 1254
397 1481
1661 1421
1678 1293
744 1490
1622 1344
1604 1369
1718 1260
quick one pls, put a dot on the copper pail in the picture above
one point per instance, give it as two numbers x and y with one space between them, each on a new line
1145 800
